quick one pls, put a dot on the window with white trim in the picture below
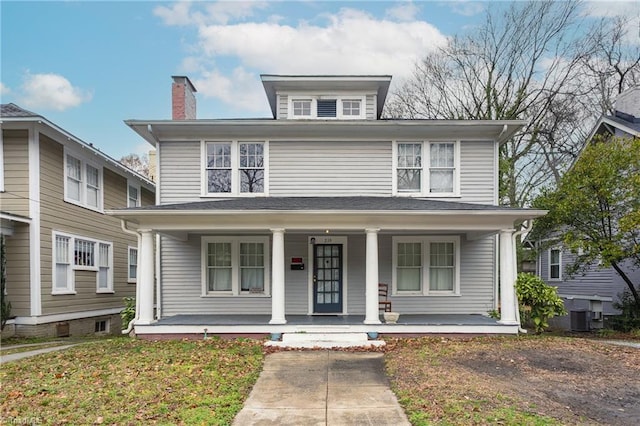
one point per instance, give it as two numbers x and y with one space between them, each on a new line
73 253
555 262
234 167
132 274
426 168
326 107
235 266
426 266
83 183
133 195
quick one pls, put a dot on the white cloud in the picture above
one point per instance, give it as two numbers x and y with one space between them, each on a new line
51 91
4 90
405 11
465 7
226 59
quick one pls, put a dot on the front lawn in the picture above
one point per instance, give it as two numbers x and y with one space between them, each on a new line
128 381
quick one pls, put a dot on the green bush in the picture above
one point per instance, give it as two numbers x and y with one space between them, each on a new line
129 311
629 320
538 302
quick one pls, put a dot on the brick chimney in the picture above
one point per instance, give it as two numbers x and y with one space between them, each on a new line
183 98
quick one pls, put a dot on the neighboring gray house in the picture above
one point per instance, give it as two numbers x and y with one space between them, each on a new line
594 292
288 224
68 264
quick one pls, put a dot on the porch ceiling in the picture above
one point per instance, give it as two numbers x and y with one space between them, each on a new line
326 213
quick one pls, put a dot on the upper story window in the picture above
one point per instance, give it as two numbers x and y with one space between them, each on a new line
426 168
234 167
133 195
83 183
326 107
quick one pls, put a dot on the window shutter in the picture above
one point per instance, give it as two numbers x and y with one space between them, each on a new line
327 108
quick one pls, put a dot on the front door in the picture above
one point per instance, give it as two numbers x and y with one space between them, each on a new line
327 278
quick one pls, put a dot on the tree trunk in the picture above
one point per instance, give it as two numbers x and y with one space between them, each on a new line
626 279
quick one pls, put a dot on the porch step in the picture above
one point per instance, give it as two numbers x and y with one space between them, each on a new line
325 340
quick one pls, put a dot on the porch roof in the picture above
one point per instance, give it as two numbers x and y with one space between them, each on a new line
337 213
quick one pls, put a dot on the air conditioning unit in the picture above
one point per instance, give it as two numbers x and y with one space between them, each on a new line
596 315
579 320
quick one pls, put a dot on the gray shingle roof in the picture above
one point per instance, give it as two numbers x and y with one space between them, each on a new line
13 110
326 204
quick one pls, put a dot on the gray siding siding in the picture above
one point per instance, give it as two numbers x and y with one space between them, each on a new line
477 172
18 270
180 169
15 198
329 168
371 107
181 281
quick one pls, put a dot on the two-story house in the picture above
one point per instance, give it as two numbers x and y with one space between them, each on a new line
69 265
289 224
589 297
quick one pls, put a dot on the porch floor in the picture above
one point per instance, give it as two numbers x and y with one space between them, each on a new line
325 320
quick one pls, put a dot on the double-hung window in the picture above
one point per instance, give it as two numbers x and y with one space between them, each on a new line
83 183
73 253
235 266
555 262
133 195
426 265
132 274
234 167
426 168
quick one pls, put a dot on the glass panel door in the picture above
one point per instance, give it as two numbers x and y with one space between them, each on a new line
327 278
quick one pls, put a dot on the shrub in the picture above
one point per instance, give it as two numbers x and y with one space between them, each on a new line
630 318
129 311
538 302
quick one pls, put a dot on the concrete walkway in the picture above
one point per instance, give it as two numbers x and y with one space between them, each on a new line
322 388
20 355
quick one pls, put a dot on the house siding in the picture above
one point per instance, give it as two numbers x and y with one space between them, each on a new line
15 198
18 272
58 215
283 107
371 107
325 168
180 171
182 283
328 168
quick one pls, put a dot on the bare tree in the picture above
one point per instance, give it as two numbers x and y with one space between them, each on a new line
527 61
137 163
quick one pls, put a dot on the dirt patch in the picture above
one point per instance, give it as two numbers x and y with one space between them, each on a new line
575 381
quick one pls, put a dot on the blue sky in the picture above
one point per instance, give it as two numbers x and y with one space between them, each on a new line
89 65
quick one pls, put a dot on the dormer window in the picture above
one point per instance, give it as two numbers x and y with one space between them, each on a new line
301 107
326 107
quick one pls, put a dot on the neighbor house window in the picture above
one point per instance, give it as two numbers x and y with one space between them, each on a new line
235 266
83 183
133 195
235 167
426 168
132 275
426 265
555 260
72 253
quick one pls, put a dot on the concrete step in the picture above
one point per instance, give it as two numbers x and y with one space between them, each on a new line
325 340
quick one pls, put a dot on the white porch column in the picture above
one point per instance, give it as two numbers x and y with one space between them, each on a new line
277 278
145 277
507 282
371 278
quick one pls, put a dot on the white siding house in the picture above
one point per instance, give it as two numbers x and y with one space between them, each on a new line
275 225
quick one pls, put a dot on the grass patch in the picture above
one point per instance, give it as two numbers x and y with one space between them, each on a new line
127 381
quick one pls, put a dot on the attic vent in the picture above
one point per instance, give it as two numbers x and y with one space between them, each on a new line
326 108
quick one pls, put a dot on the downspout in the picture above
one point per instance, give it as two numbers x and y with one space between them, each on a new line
126 230
515 270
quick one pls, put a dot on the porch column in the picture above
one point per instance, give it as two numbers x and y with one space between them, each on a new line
277 278
507 282
145 277
371 278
